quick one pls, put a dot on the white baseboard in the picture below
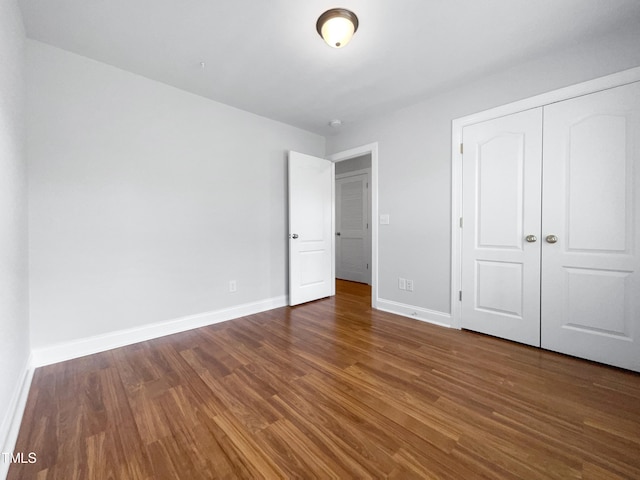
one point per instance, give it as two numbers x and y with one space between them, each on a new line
100 343
411 311
13 416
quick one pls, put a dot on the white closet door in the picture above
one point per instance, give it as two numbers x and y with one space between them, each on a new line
352 222
591 203
501 207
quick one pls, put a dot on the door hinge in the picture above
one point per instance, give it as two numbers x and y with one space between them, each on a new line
460 222
367 226
460 295
367 266
461 149
367 184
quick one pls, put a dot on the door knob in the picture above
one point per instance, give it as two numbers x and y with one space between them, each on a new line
551 239
531 238
338 233
294 236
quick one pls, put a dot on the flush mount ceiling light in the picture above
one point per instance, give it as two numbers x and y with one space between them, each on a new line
337 26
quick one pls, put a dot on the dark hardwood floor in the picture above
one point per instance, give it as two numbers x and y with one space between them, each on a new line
331 389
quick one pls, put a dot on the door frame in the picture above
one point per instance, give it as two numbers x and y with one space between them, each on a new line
584 88
371 148
367 172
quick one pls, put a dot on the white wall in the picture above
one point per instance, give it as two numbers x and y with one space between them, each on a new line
146 200
14 328
415 172
354 164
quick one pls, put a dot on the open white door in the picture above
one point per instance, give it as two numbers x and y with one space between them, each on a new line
311 223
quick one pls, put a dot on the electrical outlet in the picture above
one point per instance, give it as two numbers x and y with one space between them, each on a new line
402 284
233 286
409 285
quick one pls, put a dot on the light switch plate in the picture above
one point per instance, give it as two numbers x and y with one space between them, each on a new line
385 219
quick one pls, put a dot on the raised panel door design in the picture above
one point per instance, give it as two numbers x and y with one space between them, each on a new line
596 186
501 206
500 202
591 203
597 300
312 201
493 279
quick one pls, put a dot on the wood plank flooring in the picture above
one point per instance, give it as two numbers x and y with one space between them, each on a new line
331 389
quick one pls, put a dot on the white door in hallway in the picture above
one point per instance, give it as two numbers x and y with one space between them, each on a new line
591 208
352 228
311 222
501 177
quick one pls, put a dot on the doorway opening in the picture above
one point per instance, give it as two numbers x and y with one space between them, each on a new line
356 207
353 220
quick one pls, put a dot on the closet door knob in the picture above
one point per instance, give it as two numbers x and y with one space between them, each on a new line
551 239
531 238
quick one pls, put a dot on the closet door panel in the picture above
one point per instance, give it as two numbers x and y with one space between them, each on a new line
591 203
501 206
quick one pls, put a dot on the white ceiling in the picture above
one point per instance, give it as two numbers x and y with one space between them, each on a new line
264 56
